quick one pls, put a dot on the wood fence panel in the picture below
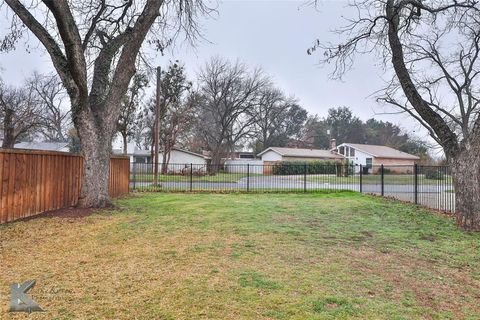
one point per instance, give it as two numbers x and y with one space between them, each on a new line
119 176
32 182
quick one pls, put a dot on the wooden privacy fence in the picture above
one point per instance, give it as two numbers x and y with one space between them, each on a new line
32 182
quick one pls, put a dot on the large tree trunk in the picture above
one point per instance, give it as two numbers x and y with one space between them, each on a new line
466 178
215 162
8 130
96 143
125 143
165 156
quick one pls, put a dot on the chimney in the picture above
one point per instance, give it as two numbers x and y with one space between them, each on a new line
333 144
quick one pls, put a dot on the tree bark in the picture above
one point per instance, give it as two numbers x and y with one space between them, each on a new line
466 179
125 143
216 159
8 130
164 160
96 150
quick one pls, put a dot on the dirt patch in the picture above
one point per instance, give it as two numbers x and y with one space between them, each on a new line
70 213
281 219
367 234
428 238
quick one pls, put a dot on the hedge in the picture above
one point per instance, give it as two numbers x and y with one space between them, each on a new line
312 167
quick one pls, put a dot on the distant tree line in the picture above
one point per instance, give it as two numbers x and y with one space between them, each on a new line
231 107
228 107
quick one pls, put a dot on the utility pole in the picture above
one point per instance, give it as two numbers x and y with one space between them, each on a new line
156 128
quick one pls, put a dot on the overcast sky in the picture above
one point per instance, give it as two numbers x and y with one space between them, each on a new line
270 34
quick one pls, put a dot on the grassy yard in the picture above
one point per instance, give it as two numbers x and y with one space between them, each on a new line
240 256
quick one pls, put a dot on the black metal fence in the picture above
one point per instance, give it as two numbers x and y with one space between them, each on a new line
430 186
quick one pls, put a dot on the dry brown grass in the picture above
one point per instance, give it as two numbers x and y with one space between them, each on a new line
172 256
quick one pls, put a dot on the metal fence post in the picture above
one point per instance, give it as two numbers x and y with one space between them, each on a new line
248 177
305 177
361 179
415 169
191 177
383 179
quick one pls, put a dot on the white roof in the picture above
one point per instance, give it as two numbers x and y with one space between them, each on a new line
302 153
46 146
381 151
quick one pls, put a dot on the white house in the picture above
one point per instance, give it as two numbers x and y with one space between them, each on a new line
179 159
369 156
276 154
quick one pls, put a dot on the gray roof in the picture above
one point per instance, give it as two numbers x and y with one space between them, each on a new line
382 151
149 153
303 153
142 153
46 146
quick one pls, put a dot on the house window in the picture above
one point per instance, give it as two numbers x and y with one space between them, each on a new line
341 150
140 159
369 162
352 152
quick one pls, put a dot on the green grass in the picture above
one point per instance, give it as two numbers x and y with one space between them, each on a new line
247 256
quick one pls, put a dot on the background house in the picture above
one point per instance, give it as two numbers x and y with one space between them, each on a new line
179 159
371 156
276 154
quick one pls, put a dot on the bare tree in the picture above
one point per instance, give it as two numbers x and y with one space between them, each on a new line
277 119
433 47
130 105
142 132
20 114
176 120
175 110
55 115
94 47
230 93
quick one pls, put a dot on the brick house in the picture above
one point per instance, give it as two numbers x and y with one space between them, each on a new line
372 156
273 155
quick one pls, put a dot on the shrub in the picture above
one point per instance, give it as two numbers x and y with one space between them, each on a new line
434 174
298 167
387 171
